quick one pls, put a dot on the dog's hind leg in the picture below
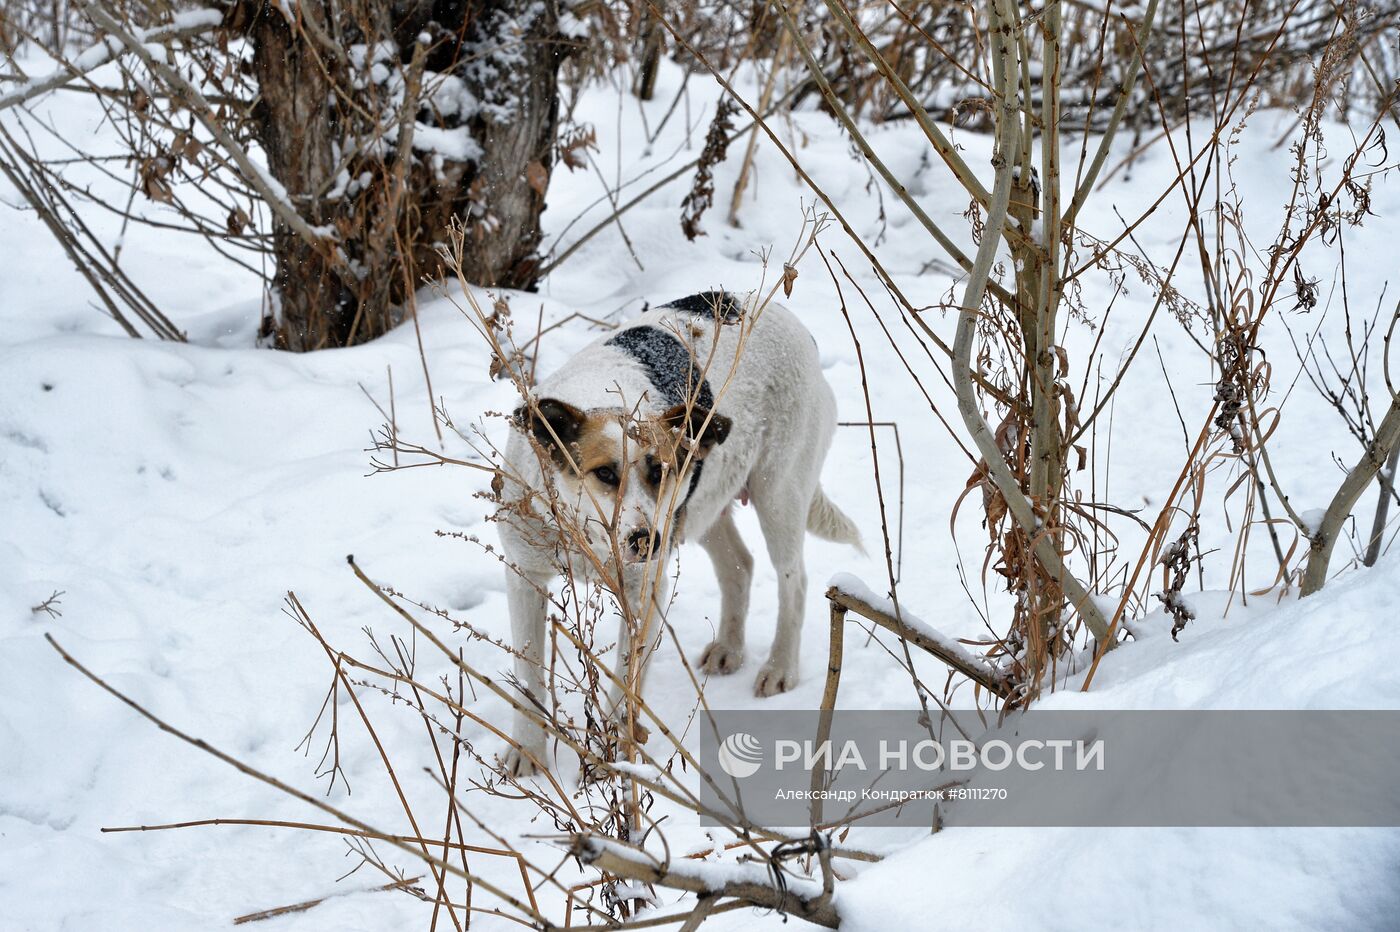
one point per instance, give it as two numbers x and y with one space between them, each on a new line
734 569
526 599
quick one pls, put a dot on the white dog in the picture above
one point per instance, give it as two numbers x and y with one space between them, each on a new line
646 437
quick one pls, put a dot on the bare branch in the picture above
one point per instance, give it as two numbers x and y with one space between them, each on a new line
188 24
267 187
635 864
1324 537
1020 507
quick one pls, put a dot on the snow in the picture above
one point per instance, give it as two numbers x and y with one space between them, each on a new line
1328 652
457 145
449 95
1313 519
192 19
852 585
104 51
713 874
643 771
174 493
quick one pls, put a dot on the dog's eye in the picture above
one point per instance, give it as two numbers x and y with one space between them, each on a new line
654 473
606 475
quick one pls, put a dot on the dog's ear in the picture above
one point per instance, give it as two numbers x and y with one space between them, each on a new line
550 418
690 421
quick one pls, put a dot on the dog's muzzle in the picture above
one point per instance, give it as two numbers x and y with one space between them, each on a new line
642 543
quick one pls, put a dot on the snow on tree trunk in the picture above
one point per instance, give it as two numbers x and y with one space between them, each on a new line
385 123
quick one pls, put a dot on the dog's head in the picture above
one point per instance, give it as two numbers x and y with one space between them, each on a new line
626 478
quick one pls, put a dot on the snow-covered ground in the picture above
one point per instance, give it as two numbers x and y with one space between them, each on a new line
175 493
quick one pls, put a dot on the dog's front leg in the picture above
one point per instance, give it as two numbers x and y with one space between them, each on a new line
638 624
525 596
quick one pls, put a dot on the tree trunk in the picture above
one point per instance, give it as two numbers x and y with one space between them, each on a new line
314 307
386 123
502 201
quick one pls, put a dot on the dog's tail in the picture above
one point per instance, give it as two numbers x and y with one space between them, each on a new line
828 522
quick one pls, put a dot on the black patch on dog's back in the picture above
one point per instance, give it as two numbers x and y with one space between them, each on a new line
718 305
670 366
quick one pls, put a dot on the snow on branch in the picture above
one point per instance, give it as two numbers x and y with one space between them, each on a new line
189 23
853 595
764 885
267 187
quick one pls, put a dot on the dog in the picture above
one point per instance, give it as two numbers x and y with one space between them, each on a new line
647 436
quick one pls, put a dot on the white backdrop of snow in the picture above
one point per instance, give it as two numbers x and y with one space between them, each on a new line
174 493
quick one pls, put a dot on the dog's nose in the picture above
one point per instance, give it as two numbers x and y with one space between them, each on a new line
643 542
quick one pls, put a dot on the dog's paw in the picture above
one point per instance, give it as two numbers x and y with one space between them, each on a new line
774 678
721 658
517 763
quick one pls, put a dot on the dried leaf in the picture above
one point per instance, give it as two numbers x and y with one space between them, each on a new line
476 196
702 189
186 147
157 190
574 144
237 222
789 276
500 310
153 184
538 177
995 508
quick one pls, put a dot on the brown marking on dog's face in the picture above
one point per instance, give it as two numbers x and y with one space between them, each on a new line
630 475
598 450
697 427
552 423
